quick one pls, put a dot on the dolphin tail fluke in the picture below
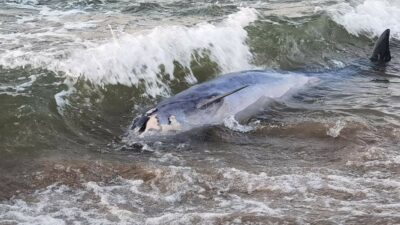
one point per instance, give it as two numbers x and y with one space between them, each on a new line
381 51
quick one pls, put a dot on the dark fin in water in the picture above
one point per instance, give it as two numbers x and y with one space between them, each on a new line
218 98
381 51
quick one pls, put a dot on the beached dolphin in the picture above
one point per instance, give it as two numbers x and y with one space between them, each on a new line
229 95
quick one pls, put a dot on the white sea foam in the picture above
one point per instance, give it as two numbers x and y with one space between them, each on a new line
370 16
233 124
225 193
134 58
19 89
335 130
62 96
56 15
28 4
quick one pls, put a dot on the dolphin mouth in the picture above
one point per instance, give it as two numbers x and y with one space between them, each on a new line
140 123
146 123
149 122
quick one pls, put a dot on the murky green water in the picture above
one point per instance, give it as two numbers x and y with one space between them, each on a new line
74 74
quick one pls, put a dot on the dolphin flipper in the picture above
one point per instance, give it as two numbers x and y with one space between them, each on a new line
218 98
381 51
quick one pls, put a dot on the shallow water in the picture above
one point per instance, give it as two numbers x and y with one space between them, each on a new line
74 74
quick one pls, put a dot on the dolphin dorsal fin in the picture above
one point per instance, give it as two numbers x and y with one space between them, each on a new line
218 98
381 51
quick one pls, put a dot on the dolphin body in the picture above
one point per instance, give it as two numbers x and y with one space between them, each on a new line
234 94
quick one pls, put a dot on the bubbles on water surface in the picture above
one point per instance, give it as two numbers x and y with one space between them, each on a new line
299 166
335 130
174 194
369 16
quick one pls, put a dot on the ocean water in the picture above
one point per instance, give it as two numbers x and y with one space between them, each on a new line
75 73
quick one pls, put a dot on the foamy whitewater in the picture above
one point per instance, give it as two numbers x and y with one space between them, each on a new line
130 59
74 74
368 17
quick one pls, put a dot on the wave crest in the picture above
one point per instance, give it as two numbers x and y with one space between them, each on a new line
134 58
371 17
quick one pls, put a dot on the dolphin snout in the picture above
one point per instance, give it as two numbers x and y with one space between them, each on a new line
139 124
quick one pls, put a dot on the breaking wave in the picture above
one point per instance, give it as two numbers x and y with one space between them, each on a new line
151 57
370 17
133 58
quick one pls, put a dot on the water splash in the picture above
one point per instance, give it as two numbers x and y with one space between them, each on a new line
336 129
135 58
371 16
231 123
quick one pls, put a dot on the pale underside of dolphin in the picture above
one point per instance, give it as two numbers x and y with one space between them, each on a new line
235 94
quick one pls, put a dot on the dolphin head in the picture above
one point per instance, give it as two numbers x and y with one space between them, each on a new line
183 112
155 120
139 123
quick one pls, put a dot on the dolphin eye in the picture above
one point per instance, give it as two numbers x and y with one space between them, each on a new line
170 119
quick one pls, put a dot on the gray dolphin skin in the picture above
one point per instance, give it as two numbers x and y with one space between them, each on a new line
230 95
213 101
